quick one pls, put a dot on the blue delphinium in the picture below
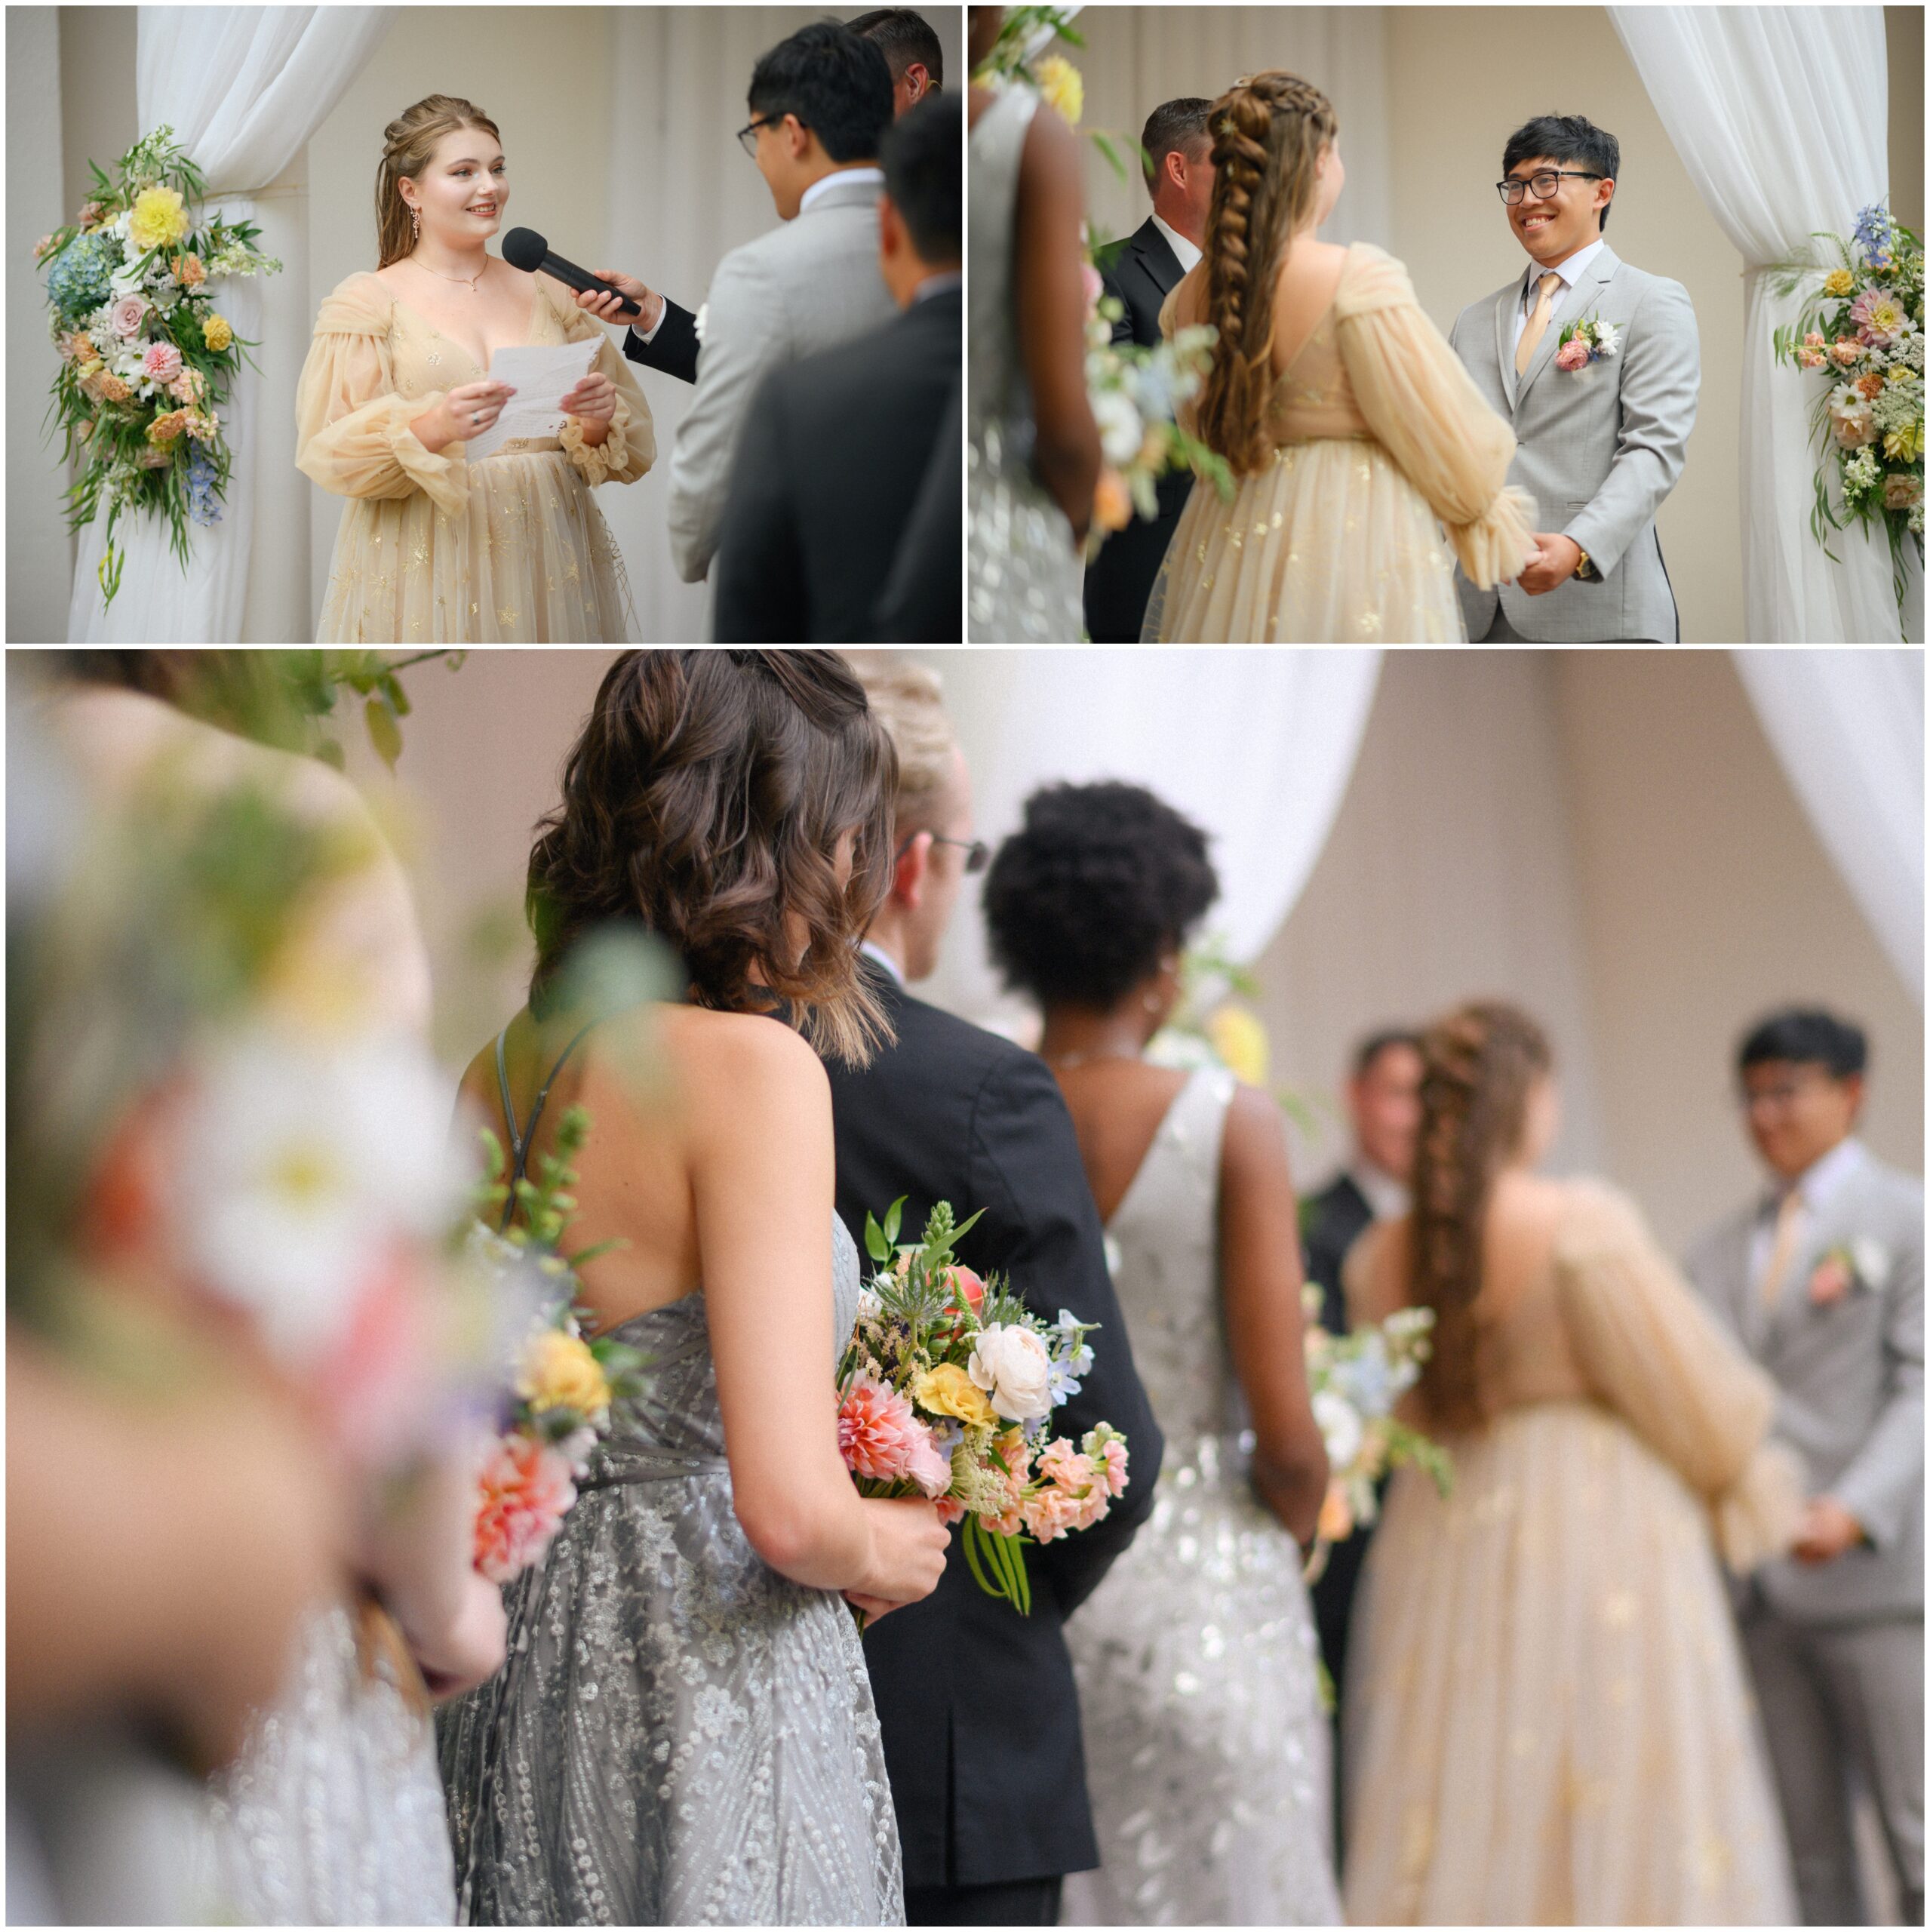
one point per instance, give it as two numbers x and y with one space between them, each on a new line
1877 233
81 277
202 506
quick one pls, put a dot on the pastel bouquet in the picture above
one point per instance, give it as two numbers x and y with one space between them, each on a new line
947 1390
1860 323
1590 340
556 1406
146 357
1357 1379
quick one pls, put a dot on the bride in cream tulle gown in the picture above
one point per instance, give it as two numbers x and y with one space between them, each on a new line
1353 433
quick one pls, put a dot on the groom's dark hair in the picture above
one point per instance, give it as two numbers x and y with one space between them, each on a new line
906 39
1567 138
1806 1035
1178 123
922 154
837 83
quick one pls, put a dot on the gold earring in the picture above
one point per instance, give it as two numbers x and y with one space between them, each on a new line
416 222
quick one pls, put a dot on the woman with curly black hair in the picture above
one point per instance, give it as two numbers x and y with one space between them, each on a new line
1206 1746
684 1733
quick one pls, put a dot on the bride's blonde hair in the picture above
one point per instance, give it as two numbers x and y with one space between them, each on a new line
408 146
1268 131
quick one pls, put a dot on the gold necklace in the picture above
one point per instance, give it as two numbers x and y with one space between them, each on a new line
461 281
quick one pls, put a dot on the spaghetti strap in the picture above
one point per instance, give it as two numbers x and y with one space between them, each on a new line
519 1141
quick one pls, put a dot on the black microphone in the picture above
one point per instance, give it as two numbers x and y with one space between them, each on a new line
523 248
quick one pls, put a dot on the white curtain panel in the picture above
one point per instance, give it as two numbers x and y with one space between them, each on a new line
243 87
1255 746
1848 728
1135 57
1781 116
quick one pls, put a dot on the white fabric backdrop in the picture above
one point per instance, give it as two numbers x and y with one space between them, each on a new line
243 87
1848 728
1781 116
1135 57
1256 746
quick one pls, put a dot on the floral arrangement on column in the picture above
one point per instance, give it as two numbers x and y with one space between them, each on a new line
1862 322
146 359
1135 392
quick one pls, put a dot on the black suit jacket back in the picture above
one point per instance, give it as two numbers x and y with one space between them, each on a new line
980 1716
1142 271
834 451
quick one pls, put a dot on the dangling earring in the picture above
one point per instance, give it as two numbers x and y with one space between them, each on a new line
416 222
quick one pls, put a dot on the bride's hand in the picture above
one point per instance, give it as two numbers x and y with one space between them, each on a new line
594 399
464 412
595 301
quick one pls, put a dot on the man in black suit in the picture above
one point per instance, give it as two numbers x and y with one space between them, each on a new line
1384 1104
836 446
1142 271
980 1717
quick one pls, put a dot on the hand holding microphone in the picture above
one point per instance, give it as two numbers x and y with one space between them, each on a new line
603 295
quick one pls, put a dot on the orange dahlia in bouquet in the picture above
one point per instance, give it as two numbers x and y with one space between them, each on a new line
947 1390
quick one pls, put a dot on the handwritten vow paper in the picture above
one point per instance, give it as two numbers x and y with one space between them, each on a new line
541 376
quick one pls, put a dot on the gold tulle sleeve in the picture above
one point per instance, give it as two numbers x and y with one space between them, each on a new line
352 430
1648 1349
630 448
1425 411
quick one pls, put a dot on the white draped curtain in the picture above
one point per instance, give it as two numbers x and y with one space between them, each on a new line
1847 727
1255 746
243 87
1781 116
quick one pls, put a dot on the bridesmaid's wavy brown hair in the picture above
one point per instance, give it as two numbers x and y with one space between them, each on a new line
408 146
705 802
1478 1064
1267 132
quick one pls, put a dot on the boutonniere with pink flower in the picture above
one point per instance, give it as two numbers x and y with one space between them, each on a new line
1862 1261
1589 340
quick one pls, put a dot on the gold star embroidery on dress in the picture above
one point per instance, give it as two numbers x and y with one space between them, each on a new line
506 617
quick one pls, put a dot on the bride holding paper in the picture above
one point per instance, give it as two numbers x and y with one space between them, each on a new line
465 409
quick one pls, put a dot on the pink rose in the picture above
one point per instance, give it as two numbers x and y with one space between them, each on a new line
1900 492
127 316
1573 354
526 1491
1831 1282
1094 285
1852 425
162 362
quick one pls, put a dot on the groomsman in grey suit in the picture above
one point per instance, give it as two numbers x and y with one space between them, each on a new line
1822 1282
1598 446
820 104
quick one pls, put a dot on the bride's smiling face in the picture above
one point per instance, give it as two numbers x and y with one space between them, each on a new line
461 194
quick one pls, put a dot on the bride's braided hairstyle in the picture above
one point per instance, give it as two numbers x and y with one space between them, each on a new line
1268 131
408 146
1478 1066
705 802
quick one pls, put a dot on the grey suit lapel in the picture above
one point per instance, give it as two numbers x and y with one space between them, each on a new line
1574 303
1506 303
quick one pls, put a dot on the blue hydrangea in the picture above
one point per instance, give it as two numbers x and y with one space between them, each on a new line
202 507
82 274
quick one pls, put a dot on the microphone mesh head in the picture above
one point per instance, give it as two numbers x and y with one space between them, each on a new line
524 248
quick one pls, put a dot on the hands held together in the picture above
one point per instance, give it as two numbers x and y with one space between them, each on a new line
1553 563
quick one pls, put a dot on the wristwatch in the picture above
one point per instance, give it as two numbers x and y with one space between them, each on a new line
1586 570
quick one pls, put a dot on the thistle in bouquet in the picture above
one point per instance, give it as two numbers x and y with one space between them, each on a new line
947 1390
1356 1379
146 358
555 1405
1860 325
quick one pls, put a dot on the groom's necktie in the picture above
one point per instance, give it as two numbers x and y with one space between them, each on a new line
1782 1249
1537 323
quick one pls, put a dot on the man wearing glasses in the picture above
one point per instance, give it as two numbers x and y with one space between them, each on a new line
819 102
1822 1282
1601 420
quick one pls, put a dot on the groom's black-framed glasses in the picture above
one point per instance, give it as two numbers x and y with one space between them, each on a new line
1544 184
978 853
747 135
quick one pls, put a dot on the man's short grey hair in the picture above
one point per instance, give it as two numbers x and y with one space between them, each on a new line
1174 124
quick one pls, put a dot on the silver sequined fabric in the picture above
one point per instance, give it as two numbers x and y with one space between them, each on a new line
1024 575
1207 1750
332 1814
681 1736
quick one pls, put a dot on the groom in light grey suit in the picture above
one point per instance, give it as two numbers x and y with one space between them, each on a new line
1822 1282
1598 447
819 104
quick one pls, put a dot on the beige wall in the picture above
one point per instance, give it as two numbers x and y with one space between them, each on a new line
1706 900
1461 79
1903 30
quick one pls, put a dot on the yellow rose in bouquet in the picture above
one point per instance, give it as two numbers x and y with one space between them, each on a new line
559 1372
1062 87
947 1390
218 333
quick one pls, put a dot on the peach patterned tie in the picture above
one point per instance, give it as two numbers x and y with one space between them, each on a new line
1537 322
1782 1251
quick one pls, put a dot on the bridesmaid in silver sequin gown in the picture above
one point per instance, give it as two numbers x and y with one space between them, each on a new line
1206 1745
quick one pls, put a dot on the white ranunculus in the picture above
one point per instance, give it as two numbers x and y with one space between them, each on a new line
304 1164
1012 1366
1121 431
1340 1428
1871 1261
